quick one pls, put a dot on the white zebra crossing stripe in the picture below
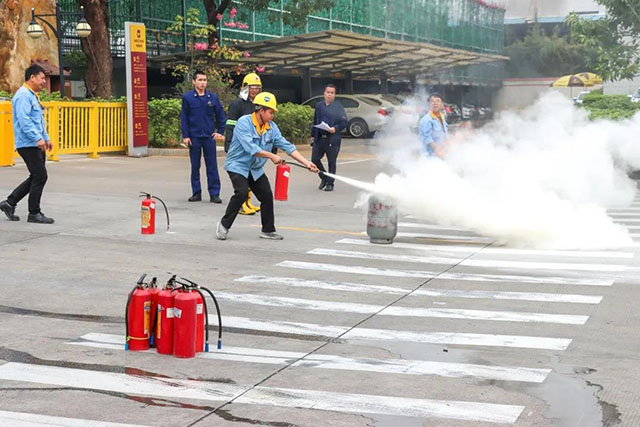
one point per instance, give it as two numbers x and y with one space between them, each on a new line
492 250
517 341
430 292
466 238
290 398
444 276
446 313
22 419
430 226
324 361
623 221
470 262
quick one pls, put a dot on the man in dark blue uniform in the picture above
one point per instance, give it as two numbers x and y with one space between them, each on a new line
327 141
203 120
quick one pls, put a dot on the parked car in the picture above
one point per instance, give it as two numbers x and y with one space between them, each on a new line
366 113
580 98
635 96
468 111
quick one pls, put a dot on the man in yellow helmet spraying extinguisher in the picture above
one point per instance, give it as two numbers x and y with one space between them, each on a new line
243 105
253 140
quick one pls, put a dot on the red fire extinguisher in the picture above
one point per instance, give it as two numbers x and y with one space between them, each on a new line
184 324
164 325
148 213
202 339
138 317
282 181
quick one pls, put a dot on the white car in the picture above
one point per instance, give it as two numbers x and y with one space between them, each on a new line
635 96
580 98
366 113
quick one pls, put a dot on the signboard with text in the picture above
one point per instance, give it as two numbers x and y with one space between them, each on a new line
136 63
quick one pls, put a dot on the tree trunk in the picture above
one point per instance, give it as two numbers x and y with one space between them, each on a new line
97 47
213 9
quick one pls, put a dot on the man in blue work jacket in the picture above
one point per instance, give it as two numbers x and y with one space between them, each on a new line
433 128
254 137
328 141
31 141
203 120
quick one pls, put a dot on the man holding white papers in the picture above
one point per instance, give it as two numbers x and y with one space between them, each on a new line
329 121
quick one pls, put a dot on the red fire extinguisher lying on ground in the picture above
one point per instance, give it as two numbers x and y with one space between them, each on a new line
138 317
148 213
283 171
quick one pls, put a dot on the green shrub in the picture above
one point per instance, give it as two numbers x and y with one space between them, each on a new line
612 107
295 122
164 122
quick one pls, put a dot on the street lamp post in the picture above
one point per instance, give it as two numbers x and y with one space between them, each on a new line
35 31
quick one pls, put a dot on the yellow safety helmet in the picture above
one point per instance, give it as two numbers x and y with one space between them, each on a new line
251 79
266 99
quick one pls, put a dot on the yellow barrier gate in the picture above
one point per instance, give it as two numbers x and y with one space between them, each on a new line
74 127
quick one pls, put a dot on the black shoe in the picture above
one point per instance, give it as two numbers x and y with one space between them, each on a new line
323 184
195 198
329 187
9 211
39 218
216 199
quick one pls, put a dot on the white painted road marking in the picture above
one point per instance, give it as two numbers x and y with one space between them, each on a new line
470 262
290 398
444 276
393 335
429 292
491 250
325 361
446 313
22 419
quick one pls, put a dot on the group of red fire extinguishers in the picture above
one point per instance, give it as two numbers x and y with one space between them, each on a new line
174 320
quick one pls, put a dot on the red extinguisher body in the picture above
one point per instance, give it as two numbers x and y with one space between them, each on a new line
164 326
282 182
184 324
200 321
148 215
139 320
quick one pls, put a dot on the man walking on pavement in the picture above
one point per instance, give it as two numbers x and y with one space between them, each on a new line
243 105
31 141
253 139
327 141
433 128
203 120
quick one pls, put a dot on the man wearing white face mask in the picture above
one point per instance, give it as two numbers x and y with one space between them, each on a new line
243 105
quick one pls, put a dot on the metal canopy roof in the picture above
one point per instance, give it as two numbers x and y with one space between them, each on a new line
338 51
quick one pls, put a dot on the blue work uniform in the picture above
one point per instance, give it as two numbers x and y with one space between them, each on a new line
246 171
201 116
432 129
247 141
325 142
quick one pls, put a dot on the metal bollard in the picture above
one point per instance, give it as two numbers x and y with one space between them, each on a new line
382 221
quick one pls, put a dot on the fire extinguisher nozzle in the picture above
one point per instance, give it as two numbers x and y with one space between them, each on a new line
219 344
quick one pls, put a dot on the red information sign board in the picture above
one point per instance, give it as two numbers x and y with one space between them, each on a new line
137 86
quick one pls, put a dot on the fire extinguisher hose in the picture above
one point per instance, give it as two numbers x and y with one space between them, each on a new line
126 312
215 301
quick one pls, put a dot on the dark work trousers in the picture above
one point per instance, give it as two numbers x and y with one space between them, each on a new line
329 146
262 189
197 148
35 160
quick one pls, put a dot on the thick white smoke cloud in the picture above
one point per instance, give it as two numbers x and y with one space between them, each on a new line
542 177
